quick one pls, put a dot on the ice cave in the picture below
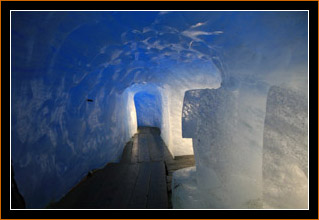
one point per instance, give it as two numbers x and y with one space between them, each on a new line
228 88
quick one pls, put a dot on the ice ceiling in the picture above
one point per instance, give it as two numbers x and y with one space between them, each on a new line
136 67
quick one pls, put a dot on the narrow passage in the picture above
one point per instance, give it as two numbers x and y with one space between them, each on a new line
141 180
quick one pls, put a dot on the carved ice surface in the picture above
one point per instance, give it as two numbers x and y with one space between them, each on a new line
117 59
148 109
229 129
121 59
228 151
243 140
285 163
185 190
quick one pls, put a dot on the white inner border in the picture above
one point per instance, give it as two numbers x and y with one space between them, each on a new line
148 11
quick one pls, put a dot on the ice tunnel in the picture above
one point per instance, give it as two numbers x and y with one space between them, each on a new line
83 81
148 109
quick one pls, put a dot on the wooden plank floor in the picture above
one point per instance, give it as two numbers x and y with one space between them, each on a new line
139 181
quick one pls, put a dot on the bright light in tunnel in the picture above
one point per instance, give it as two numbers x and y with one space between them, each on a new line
133 116
130 95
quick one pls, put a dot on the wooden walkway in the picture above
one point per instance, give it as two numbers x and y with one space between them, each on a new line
140 181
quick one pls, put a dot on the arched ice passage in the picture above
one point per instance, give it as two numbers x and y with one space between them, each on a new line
60 59
148 109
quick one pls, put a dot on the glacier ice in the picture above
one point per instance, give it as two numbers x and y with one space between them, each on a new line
121 59
186 194
252 153
285 142
148 109
228 147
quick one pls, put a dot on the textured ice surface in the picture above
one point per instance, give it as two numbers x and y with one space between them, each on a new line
186 194
61 59
243 140
285 154
228 146
227 124
148 109
185 191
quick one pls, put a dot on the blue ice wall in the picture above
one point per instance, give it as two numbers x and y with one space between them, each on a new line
61 59
148 109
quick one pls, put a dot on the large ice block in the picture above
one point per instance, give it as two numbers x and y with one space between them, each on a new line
226 127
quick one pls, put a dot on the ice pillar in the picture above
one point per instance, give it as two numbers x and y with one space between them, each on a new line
227 128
